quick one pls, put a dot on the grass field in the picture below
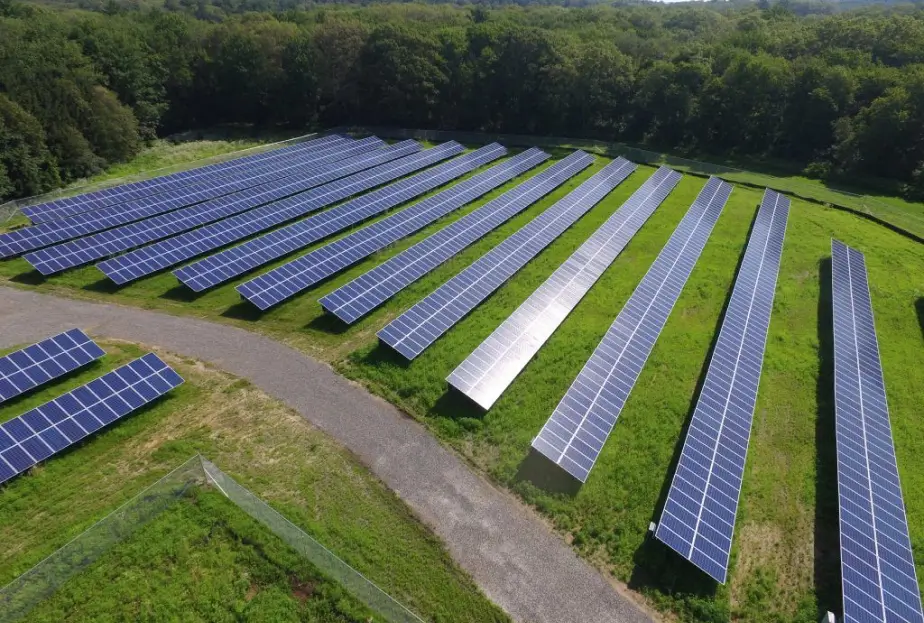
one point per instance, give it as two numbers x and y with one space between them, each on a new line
204 559
785 565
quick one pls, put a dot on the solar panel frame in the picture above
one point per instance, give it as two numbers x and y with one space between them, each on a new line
417 328
706 485
178 249
37 236
487 372
23 370
230 263
114 195
44 431
588 411
54 259
368 291
878 574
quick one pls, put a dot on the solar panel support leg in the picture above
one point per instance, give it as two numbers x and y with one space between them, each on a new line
828 617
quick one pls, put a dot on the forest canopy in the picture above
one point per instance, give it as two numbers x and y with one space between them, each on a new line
838 95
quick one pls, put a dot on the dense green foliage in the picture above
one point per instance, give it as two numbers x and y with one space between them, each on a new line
843 94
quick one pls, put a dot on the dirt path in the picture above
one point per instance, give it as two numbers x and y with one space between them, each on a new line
516 560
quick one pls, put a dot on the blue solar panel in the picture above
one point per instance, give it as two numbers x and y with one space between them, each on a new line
339 254
878 573
366 292
49 359
575 433
151 259
414 330
38 236
698 520
356 157
87 202
221 267
46 430
491 368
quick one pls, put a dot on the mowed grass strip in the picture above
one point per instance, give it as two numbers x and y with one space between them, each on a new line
269 449
785 565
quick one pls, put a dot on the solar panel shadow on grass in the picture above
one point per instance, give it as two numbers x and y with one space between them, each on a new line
878 575
35 365
369 290
153 258
230 263
48 429
491 368
421 325
38 236
87 202
328 167
698 520
574 435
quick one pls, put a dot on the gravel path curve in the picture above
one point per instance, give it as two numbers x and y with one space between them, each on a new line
516 560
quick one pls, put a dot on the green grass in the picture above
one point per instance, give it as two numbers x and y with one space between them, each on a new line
784 564
169 569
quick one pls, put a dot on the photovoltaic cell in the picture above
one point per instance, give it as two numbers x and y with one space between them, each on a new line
221 267
49 359
369 290
698 519
87 202
491 368
46 430
878 574
575 433
330 166
175 250
414 330
339 254
38 236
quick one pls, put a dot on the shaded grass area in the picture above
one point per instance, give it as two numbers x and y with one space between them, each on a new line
211 560
201 560
784 565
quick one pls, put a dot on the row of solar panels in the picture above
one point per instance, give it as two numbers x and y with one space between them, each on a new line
698 518
41 432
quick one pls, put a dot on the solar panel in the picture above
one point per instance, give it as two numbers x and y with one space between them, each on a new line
575 433
698 520
66 255
36 435
221 267
37 236
369 290
49 359
414 330
153 258
878 574
87 202
491 368
350 249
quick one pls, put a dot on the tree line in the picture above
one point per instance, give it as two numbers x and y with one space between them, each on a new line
838 95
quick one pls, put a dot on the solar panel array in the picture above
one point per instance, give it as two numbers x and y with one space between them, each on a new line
359 156
49 359
221 267
576 431
366 292
38 236
698 520
334 257
414 330
87 202
46 430
153 258
878 574
491 368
